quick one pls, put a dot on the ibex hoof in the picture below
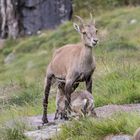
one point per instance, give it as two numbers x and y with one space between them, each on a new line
55 118
66 117
44 120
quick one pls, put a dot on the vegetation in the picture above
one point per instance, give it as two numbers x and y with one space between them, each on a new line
93 129
98 6
116 79
13 132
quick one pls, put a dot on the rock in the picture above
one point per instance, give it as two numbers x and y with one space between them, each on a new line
44 14
118 137
109 110
31 3
133 21
45 132
30 16
10 58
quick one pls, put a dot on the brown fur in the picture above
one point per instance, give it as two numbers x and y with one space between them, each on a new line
72 64
82 103
137 134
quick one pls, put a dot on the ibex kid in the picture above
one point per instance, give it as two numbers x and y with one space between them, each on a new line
82 103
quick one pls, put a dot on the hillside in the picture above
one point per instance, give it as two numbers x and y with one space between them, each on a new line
116 79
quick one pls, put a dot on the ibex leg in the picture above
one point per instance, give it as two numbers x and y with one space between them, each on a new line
45 100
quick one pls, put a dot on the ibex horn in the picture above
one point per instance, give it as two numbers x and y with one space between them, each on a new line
92 20
80 19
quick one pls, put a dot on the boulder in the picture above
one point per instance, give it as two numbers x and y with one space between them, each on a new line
44 14
43 132
30 16
119 137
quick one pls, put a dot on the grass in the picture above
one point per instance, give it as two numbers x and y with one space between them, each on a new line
13 132
120 86
116 79
94 129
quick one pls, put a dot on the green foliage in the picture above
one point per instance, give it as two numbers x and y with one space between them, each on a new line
9 46
31 94
96 129
15 132
118 87
97 6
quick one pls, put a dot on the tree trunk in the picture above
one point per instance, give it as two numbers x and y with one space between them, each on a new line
9 19
3 18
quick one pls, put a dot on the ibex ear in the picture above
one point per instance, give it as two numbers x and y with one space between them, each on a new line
76 27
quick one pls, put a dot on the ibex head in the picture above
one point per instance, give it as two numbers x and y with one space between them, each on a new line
88 31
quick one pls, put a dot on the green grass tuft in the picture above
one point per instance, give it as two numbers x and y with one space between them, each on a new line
14 132
96 129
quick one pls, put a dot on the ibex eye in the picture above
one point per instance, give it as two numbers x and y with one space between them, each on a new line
96 31
84 33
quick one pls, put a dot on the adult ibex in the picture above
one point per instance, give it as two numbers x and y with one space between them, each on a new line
72 64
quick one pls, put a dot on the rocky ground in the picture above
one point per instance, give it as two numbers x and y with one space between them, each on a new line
53 127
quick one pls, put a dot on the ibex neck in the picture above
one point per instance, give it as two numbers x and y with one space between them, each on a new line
86 54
